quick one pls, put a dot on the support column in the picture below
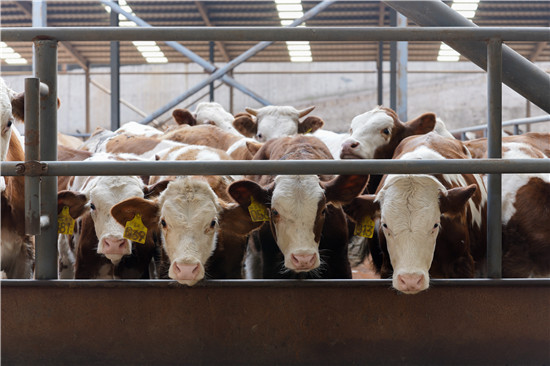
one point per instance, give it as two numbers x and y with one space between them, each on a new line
115 76
211 59
398 69
494 150
46 242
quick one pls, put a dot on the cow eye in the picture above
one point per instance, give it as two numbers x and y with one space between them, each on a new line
163 223
386 131
10 122
92 206
260 136
384 226
436 226
274 213
213 223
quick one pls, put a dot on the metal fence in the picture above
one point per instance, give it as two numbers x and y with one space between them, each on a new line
40 196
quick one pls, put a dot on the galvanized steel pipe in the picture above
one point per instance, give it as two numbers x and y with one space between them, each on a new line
333 34
494 150
295 167
46 242
512 122
32 153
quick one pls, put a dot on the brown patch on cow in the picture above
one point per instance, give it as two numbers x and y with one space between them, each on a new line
131 144
206 135
75 201
245 124
344 188
310 125
362 206
65 153
126 210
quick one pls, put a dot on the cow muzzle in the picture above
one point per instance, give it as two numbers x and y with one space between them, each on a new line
186 272
410 283
303 262
114 248
350 150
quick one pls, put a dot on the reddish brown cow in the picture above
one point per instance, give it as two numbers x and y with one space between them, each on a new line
434 223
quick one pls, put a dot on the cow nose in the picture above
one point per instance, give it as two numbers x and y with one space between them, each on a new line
114 246
185 271
350 145
303 261
410 282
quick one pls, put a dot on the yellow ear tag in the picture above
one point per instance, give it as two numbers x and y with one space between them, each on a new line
258 212
309 131
135 230
365 228
65 223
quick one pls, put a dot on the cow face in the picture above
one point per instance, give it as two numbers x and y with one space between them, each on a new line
99 197
276 121
376 133
410 210
297 207
187 215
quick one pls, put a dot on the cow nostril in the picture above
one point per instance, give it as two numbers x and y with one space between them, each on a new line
354 145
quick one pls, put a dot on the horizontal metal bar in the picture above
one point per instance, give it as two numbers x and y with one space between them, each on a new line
357 34
512 122
296 167
272 283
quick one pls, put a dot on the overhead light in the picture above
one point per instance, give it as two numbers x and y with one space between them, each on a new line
150 51
289 11
289 8
467 8
288 1
10 56
301 59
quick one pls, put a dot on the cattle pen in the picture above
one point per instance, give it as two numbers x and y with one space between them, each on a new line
478 321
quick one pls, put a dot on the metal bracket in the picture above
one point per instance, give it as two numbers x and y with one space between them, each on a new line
31 168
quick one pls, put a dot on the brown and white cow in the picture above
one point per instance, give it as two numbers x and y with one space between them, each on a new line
206 113
272 122
430 225
538 140
237 146
306 233
17 248
101 249
197 226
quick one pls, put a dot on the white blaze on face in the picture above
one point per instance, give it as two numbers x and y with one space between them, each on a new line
189 224
295 206
103 193
410 217
276 121
369 131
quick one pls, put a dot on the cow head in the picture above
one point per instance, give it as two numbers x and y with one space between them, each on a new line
276 121
297 207
98 198
11 105
206 113
410 208
188 215
376 133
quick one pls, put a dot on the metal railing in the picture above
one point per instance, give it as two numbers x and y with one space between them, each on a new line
514 122
45 42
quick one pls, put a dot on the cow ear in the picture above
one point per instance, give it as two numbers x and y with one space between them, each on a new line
310 125
253 147
454 200
421 125
18 106
242 192
345 188
362 206
184 117
155 189
245 125
75 201
236 219
126 210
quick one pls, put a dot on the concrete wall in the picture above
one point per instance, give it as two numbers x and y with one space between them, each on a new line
459 98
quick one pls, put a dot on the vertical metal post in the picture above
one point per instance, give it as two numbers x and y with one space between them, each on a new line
211 59
393 64
32 152
380 73
402 58
494 150
231 96
115 77
46 242
87 97
39 18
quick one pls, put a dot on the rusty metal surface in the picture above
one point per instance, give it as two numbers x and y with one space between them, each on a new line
274 322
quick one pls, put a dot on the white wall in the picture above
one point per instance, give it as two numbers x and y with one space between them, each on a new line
460 99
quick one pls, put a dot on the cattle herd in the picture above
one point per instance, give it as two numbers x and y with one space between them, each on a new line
191 228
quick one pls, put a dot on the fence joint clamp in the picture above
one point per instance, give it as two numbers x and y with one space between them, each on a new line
31 168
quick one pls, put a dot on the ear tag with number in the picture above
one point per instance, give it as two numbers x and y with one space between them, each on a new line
365 227
258 212
135 230
65 223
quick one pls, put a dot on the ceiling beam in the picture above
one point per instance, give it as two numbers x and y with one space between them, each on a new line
26 7
539 47
204 14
